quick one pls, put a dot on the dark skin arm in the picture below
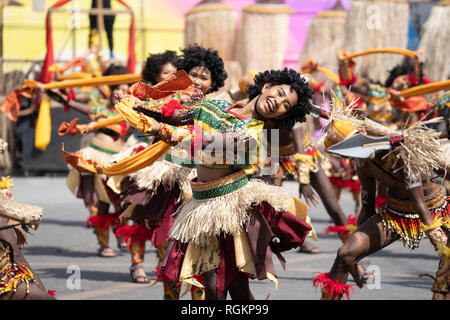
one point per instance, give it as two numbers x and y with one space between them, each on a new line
306 190
28 111
73 104
368 194
417 198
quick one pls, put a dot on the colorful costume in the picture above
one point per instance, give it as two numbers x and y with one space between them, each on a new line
14 269
230 224
93 188
398 218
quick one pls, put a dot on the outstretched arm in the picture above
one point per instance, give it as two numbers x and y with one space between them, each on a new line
73 104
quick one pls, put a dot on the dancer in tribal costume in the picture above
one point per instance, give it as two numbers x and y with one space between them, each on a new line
382 103
299 157
415 205
153 194
18 281
157 68
105 145
229 229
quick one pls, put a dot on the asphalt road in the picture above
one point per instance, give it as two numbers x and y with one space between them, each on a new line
63 253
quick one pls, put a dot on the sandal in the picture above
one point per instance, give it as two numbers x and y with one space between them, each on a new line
106 252
138 275
307 247
121 244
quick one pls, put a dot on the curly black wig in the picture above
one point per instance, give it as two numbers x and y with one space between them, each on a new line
296 81
197 56
406 67
115 69
154 63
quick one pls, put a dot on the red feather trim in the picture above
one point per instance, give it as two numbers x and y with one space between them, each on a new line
317 85
343 229
52 292
135 233
337 229
161 276
332 288
103 220
380 201
353 185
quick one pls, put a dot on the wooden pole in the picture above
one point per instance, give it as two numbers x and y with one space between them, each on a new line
74 35
143 33
100 25
1 45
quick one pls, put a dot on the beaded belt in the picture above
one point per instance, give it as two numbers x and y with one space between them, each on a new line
220 187
405 208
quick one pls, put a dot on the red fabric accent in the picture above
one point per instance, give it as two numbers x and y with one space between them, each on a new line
227 271
353 185
351 221
52 292
317 85
337 229
138 149
131 64
395 141
200 279
311 151
70 97
291 230
162 228
161 276
46 76
124 129
380 201
135 233
358 103
348 82
234 113
174 261
103 220
412 104
415 80
332 287
169 108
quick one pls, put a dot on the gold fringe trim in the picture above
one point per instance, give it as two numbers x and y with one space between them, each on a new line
272 8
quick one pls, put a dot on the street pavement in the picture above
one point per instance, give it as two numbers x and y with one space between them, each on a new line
63 252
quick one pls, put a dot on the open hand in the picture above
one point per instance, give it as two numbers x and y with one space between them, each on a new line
311 197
